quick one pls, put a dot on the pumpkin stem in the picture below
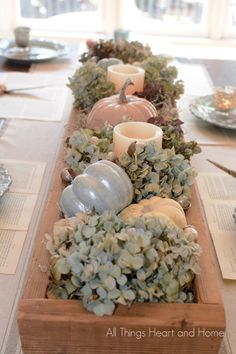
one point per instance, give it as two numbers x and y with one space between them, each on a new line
122 96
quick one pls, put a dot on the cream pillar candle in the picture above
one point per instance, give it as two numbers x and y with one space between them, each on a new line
119 73
142 133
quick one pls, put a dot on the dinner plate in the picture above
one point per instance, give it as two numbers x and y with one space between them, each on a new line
204 108
3 125
5 180
39 50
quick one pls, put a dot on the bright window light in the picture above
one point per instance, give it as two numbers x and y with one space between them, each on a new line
61 15
170 17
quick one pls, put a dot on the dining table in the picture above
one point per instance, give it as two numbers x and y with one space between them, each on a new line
40 141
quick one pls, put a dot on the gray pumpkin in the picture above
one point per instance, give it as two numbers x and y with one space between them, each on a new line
105 62
103 186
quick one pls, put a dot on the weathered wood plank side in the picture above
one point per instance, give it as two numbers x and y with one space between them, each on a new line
207 284
66 327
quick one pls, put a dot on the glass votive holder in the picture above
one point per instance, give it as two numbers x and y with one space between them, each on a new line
225 98
22 36
121 34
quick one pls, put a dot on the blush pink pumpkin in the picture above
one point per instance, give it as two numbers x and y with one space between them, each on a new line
112 109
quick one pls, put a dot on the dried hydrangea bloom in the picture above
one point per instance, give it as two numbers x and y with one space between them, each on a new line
105 261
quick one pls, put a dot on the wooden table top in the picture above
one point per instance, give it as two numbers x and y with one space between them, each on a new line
222 72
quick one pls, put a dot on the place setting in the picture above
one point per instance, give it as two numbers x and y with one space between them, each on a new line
218 108
24 50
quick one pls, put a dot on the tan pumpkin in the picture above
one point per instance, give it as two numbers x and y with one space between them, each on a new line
112 109
156 206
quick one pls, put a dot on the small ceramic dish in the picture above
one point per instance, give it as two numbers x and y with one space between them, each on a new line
39 50
204 108
5 180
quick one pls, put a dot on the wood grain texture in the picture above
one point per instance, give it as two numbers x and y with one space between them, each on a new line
48 326
207 284
57 326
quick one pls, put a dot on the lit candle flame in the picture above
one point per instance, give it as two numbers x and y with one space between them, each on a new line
225 98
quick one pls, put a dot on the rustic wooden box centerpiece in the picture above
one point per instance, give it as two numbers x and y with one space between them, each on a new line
64 326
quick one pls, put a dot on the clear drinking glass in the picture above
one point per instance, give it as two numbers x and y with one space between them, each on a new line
22 36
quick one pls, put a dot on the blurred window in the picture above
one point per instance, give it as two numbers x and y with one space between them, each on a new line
213 19
170 17
172 11
62 15
232 13
49 8
230 22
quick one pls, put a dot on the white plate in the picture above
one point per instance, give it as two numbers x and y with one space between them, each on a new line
204 108
3 125
39 50
5 180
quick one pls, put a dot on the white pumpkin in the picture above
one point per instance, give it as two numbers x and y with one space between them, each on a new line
157 206
103 186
